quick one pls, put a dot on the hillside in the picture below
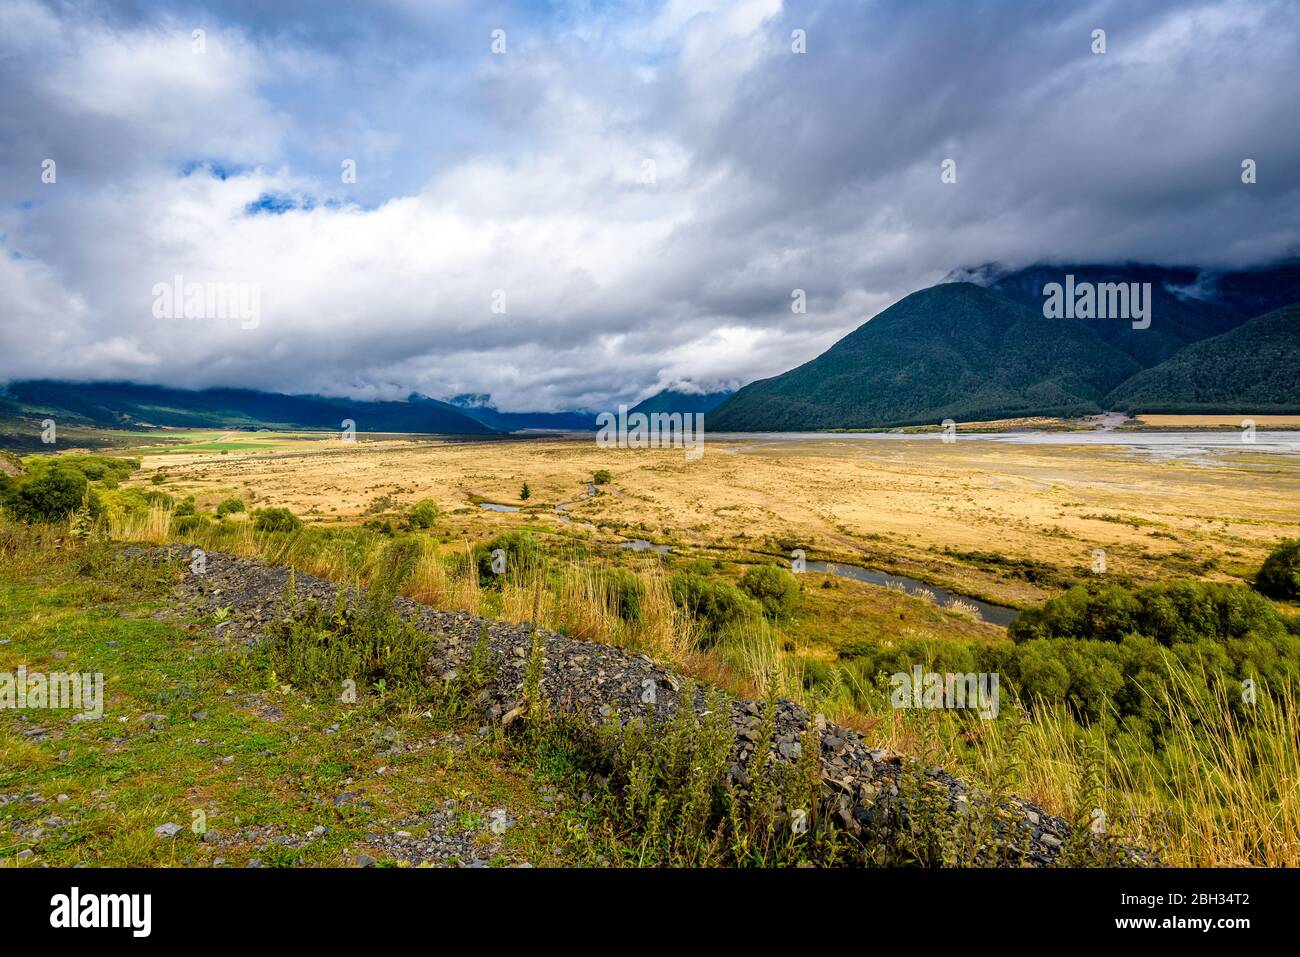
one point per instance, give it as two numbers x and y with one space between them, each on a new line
1188 303
129 405
671 400
951 351
1253 368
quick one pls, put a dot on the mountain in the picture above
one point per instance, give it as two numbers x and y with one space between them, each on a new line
1253 368
1188 303
129 405
671 400
1178 317
955 350
479 407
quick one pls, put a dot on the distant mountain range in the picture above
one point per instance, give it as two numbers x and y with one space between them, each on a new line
130 405
984 350
975 348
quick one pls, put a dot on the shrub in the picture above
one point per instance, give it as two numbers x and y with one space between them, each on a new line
50 496
1171 613
231 506
1279 576
525 493
626 592
522 551
184 524
104 469
276 519
773 588
423 514
602 477
715 604
186 506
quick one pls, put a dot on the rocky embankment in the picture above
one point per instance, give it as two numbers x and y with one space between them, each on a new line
597 683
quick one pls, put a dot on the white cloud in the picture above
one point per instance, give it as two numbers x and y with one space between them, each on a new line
525 174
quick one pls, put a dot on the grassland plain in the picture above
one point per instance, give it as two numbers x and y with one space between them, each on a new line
1012 524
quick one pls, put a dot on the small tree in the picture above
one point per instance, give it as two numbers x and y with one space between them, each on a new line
423 514
276 520
525 492
231 506
773 588
51 497
602 477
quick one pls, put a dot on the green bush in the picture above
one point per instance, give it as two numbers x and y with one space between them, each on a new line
626 591
423 514
522 551
231 506
602 477
715 604
50 496
1279 576
275 519
103 469
525 493
184 524
1118 658
773 588
185 507
1170 613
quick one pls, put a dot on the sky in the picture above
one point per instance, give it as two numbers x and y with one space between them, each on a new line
602 199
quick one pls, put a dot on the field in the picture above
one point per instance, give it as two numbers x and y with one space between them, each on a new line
1009 524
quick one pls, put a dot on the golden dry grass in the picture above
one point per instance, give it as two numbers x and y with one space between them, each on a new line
916 507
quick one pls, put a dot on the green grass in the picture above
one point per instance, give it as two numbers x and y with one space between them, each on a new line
254 757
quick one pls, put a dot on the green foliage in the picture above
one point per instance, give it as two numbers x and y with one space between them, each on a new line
231 506
275 519
1111 655
602 477
184 524
50 495
522 549
319 647
1279 576
185 506
102 469
662 797
1170 613
525 493
715 604
772 587
423 514
626 592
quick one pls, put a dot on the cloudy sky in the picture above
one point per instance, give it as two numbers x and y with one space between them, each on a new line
639 185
